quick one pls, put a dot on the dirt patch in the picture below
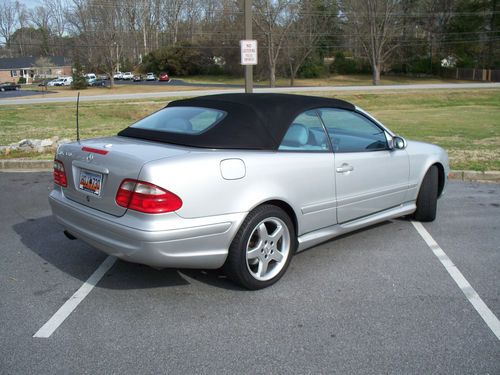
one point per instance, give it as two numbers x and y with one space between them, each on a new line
494 141
467 156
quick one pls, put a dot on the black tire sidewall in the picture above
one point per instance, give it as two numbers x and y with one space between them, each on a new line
236 266
427 196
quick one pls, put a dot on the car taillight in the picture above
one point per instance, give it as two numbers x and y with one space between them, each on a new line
145 197
60 174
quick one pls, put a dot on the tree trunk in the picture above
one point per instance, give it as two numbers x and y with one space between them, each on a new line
376 74
292 76
144 40
272 75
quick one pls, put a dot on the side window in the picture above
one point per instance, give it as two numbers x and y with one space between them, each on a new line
352 132
306 133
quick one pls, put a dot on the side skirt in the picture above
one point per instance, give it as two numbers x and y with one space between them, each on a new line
321 235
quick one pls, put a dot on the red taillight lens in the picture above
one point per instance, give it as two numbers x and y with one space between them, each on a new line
60 174
145 197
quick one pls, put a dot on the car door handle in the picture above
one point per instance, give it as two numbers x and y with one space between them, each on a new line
345 168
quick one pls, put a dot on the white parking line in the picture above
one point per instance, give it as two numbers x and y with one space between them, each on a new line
489 318
71 304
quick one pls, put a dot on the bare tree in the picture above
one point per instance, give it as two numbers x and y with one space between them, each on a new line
375 24
80 26
173 13
23 22
314 21
274 18
8 20
58 16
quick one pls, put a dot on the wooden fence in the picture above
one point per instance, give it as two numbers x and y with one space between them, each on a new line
470 74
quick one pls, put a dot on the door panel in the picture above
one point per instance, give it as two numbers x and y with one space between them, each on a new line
369 177
368 182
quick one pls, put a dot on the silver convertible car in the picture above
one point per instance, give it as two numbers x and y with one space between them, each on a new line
241 181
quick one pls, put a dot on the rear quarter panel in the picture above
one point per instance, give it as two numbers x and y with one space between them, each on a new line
305 181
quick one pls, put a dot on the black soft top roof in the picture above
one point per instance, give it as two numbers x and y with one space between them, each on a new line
253 121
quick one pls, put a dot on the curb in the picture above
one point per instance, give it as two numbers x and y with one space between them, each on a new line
486 176
47 165
26 164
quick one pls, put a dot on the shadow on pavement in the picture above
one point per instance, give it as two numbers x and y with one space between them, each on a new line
44 236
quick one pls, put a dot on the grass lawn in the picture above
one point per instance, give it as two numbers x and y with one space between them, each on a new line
465 122
334 80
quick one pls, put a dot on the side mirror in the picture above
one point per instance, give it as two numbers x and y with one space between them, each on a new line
399 143
396 142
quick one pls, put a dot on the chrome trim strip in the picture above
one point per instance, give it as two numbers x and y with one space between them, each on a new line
372 194
90 167
315 207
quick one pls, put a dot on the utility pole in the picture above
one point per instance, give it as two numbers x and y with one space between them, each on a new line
248 36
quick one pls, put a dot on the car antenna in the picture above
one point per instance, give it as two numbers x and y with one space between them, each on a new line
77 125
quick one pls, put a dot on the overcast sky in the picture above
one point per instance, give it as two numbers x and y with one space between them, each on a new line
30 3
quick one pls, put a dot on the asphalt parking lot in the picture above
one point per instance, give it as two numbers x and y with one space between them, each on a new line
21 93
375 301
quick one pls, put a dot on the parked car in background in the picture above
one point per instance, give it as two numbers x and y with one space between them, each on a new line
242 181
150 77
52 82
89 76
127 76
163 77
61 81
103 76
137 78
118 75
98 83
8 86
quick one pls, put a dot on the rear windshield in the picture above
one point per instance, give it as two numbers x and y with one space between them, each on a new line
184 120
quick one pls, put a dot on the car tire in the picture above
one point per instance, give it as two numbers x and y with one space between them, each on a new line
427 196
17 88
262 249
2 89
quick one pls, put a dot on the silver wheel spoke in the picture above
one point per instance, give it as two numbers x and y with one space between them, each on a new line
277 256
262 267
276 235
254 253
263 232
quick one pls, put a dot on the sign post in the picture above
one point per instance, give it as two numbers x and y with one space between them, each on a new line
248 48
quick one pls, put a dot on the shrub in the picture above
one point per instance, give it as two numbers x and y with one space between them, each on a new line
21 80
79 82
341 65
312 68
179 61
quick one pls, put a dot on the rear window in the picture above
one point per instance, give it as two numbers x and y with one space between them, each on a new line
183 120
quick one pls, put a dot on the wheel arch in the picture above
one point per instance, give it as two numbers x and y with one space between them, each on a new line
441 177
285 207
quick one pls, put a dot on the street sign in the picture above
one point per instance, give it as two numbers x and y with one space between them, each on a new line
248 52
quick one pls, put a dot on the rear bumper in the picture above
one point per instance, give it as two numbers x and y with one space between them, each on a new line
185 243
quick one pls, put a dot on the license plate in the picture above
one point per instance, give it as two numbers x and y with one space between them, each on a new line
91 182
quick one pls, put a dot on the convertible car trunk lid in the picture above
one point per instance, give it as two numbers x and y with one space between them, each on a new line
95 168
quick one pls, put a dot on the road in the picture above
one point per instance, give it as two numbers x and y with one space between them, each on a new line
319 89
375 301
